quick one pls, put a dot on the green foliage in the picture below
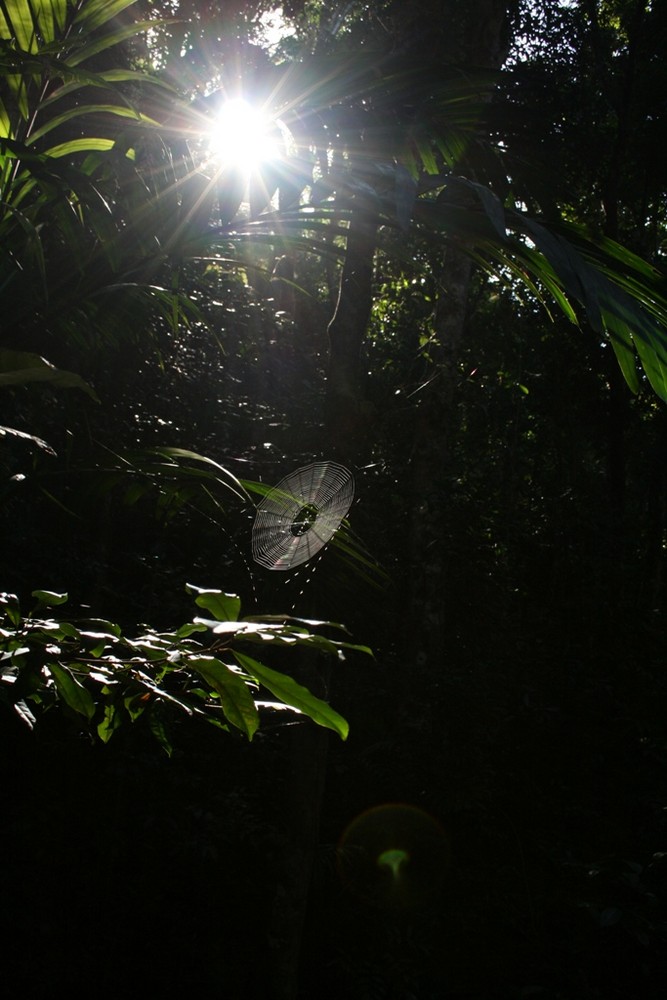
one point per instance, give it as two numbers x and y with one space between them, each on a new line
69 132
88 163
22 368
104 678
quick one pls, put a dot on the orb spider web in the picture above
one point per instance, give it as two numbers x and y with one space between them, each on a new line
301 514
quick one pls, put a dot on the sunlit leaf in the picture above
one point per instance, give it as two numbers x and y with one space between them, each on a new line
291 693
24 713
226 478
85 145
189 629
224 607
114 110
11 608
111 38
16 22
21 368
235 697
136 704
95 13
50 598
72 691
32 438
111 720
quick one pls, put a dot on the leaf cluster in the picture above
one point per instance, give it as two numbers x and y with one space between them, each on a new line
105 678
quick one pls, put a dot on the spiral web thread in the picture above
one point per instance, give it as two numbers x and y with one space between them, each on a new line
301 514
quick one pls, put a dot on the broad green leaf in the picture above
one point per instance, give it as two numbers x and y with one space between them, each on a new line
103 628
77 79
85 145
568 265
136 704
284 619
20 368
235 697
50 598
224 607
425 149
12 609
16 22
5 32
68 631
293 694
45 15
492 206
253 486
72 691
160 693
17 86
160 731
189 629
249 630
99 641
114 110
264 631
653 365
151 649
111 38
59 12
626 360
5 129
94 13
111 721
230 480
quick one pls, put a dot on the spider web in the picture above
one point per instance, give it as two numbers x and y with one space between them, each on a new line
301 514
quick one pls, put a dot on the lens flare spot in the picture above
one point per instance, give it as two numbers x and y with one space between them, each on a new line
398 839
393 859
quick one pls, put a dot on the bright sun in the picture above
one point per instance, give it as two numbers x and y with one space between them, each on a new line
242 137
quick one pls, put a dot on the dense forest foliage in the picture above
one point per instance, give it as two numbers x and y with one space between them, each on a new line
430 760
